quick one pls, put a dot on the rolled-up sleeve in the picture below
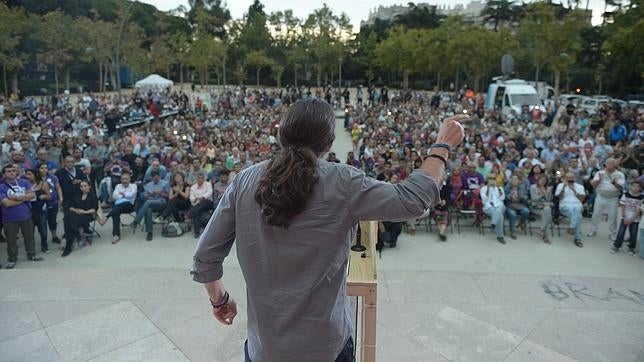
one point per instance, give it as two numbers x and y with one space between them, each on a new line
375 200
216 240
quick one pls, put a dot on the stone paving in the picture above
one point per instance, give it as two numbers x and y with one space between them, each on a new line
469 299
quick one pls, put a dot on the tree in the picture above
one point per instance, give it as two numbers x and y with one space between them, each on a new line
179 46
419 17
217 17
325 36
500 12
61 43
13 31
161 54
398 51
549 40
259 60
204 53
622 51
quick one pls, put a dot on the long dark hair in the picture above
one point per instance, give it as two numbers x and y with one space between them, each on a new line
305 133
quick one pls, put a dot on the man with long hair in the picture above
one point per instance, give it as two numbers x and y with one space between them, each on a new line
292 218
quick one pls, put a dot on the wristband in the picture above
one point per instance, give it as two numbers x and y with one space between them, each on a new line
225 301
442 145
440 158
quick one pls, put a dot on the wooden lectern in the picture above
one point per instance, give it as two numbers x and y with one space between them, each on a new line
362 281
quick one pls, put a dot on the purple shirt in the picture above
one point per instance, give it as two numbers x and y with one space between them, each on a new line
20 212
52 181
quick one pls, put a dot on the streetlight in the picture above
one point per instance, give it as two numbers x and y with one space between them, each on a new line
539 66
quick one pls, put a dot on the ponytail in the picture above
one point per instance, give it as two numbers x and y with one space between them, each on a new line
306 132
286 185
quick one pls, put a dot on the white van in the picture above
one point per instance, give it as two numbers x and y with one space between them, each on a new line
510 95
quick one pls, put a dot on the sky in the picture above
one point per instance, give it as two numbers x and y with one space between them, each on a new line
356 10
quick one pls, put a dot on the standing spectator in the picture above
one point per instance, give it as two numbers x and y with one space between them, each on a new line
15 197
39 206
124 197
571 195
201 200
630 205
96 156
53 203
155 199
492 197
608 185
70 178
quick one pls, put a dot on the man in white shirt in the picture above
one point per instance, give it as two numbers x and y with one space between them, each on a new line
492 197
124 197
571 195
201 200
608 185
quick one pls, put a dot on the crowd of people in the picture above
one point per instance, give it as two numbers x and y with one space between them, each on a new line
549 166
86 159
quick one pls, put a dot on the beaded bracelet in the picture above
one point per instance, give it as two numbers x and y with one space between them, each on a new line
225 301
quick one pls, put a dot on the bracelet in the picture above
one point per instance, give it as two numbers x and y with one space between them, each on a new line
440 158
442 145
225 301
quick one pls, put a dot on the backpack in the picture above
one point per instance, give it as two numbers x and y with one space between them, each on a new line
172 230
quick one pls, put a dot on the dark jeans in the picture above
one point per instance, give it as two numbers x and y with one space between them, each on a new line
39 218
196 214
52 218
11 230
633 230
175 206
115 214
346 355
70 232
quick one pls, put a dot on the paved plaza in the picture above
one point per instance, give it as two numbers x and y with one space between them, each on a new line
469 299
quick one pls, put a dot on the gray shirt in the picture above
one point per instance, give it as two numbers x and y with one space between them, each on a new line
296 277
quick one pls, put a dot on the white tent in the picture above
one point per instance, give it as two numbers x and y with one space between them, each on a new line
154 80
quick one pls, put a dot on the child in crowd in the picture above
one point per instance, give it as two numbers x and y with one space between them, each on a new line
630 205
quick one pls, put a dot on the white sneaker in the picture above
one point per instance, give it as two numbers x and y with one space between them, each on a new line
159 220
591 234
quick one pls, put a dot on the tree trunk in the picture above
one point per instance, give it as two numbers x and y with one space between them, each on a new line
4 81
181 74
257 72
456 85
67 78
100 77
295 76
56 79
438 81
14 82
223 71
319 76
557 80
405 79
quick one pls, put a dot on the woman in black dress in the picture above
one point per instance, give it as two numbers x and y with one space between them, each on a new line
83 212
